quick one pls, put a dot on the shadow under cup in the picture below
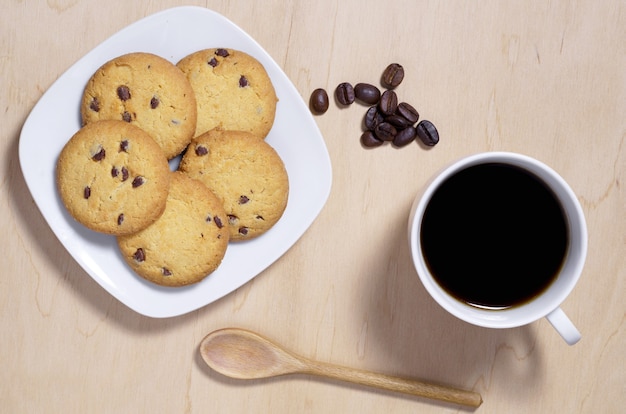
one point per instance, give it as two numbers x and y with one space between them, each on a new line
548 299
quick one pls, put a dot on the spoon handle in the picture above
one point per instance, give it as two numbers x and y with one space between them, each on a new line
397 384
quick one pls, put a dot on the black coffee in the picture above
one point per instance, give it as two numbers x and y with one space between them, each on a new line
494 236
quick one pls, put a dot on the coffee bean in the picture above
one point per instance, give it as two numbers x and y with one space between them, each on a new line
404 137
319 101
398 121
385 131
367 93
388 102
392 75
407 111
345 93
369 139
372 118
427 133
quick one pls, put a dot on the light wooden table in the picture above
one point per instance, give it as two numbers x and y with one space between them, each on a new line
547 79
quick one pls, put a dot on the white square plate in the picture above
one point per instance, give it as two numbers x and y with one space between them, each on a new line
173 34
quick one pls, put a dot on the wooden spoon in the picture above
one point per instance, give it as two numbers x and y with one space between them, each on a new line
242 354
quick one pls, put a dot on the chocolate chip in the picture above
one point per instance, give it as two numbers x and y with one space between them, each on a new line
87 192
243 82
120 219
154 102
213 62
99 156
166 271
243 199
208 218
123 92
138 181
260 218
114 172
222 52
124 174
232 219
201 150
139 255
243 231
95 105
126 116
124 146
218 222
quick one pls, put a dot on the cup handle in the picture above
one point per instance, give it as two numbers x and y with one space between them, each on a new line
559 321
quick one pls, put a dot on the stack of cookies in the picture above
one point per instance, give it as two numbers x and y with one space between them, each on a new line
213 109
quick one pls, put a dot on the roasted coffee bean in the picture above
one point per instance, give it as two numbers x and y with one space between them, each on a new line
369 139
385 131
319 101
367 93
404 137
407 111
372 118
345 93
392 75
427 133
398 121
388 102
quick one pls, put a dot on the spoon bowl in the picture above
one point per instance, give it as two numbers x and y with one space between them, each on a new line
241 354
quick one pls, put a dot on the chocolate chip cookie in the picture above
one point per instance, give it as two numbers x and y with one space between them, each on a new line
246 173
145 90
113 177
232 89
187 243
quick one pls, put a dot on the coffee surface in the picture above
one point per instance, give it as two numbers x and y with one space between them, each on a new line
494 236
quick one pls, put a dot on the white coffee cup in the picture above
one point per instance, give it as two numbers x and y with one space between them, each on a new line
547 304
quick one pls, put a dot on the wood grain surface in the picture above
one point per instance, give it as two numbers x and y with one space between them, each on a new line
547 79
